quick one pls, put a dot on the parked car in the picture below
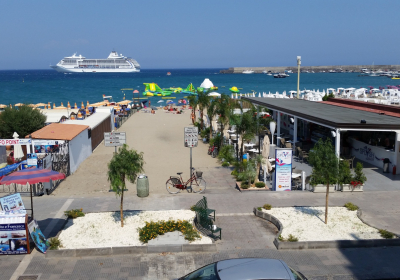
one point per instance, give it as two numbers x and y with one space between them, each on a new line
246 268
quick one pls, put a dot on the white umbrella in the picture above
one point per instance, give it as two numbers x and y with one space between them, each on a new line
18 153
265 153
259 94
232 95
160 101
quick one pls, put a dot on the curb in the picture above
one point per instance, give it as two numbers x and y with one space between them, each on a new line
113 251
324 244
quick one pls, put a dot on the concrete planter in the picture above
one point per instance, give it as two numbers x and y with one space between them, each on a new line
349 188
322 188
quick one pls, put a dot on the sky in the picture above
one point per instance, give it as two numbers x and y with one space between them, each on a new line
172 34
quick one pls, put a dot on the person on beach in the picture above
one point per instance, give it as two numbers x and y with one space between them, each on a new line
192 117
149 104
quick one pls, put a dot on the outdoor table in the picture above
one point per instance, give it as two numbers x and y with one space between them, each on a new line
271 159
231 131
249 145
296 175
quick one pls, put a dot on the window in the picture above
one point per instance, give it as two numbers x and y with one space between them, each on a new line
207 272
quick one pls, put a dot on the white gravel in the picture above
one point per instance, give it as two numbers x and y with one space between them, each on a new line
96 230
308 224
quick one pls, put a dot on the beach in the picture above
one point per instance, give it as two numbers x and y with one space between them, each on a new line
160 137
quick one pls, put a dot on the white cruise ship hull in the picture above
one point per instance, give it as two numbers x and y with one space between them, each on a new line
93 70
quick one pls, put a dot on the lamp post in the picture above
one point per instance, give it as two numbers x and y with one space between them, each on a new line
298 76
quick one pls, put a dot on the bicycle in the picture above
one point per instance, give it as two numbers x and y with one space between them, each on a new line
176 184
213 151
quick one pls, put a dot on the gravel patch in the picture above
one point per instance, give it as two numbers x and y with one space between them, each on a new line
96 230
308 224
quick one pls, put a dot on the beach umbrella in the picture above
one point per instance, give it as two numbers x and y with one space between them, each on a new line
82 106
214 94
265 153
60 107
135 91
75 106
68 105
154 108
54 105
31 175
2 106
18 153
259 94
40 105
18 104
170 102
160 101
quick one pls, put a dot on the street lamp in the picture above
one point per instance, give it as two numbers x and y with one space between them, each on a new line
298 76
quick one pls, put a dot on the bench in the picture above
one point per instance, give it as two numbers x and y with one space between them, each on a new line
203 221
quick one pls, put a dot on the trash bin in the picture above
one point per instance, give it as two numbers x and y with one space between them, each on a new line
386 162
142 186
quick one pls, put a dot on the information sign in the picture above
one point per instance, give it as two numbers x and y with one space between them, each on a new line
12 202
191 136
6 142
283 170
31 159
13 235
114 139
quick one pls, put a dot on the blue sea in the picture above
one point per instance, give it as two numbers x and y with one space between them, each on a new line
43 86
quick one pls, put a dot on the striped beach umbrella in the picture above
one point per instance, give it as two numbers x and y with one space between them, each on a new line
31 175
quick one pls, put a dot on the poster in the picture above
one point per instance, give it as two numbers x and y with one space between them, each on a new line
12 203
13 239
38 237
283 170
31 159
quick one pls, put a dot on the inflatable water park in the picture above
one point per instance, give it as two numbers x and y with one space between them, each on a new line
152 89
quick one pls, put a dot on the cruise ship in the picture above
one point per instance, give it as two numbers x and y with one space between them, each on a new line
114 63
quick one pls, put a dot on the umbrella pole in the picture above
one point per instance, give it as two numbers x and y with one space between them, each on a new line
30 185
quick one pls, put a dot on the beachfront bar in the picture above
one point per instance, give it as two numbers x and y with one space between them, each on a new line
368 136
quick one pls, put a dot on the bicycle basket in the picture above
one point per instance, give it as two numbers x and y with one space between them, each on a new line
199 174
175 181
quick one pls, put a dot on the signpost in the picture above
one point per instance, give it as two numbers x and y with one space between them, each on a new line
114 139
191 139
283 170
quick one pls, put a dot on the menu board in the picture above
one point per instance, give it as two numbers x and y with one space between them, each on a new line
38 237
283 170
13 235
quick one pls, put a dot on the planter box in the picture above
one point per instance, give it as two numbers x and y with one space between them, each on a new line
238 185
349 188
322 188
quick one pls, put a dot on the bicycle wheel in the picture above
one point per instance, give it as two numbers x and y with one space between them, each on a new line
209 150
171 187
214 153
198 185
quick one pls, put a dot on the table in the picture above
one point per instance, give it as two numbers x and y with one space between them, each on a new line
251 145
296 175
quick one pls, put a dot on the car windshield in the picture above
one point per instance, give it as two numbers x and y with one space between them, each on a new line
296 275
207 272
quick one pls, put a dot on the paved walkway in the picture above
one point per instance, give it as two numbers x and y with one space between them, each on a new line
244 235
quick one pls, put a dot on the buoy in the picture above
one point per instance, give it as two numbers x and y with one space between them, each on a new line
394 170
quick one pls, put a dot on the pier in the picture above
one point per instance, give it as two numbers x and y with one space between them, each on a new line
345 68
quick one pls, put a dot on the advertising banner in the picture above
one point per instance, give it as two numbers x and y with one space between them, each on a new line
12 203
38 237
13 239
6 142
46 146
283 170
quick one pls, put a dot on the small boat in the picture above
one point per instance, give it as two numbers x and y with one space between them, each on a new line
248 72
281 75
168 73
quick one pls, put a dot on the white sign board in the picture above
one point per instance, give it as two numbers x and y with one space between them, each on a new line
283 170
113 139
6 142
191 137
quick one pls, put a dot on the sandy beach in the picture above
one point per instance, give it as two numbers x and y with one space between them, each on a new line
160 138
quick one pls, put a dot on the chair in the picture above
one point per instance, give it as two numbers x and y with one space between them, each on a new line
303 156
288 145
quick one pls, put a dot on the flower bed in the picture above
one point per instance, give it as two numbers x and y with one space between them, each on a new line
307 224
96 230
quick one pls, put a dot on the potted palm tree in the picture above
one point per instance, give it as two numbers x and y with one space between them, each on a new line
345 176
359 178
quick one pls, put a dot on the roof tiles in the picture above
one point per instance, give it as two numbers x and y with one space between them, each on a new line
58 131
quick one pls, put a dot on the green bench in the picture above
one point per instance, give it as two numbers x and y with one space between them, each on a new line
204 220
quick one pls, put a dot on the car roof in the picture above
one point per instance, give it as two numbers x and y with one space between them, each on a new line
253 268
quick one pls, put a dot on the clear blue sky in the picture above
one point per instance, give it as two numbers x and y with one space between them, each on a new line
201 34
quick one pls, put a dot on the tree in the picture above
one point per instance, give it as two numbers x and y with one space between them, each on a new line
23 120
246 127
203 100
325 167
126 164
211 112
224 111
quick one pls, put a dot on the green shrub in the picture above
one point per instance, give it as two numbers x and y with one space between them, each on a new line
225 164
226 153
292 238
386 234
205 133
55 243
74 213
193 207
260 185
359 175
351 207
259 208
280 238
267 206
153 229
234 173
244 185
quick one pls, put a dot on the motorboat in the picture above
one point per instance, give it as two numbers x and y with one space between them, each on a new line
248 72
281 75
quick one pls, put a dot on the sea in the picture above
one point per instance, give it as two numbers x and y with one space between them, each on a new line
44 86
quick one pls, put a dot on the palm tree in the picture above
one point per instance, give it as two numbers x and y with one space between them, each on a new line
224 111
211 112
259 160
246 127
193 102
203 100
126 164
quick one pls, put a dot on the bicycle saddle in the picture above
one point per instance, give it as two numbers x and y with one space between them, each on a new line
179 173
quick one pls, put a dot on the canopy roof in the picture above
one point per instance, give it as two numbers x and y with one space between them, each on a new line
328 115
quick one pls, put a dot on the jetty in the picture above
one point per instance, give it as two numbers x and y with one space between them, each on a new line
277 69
